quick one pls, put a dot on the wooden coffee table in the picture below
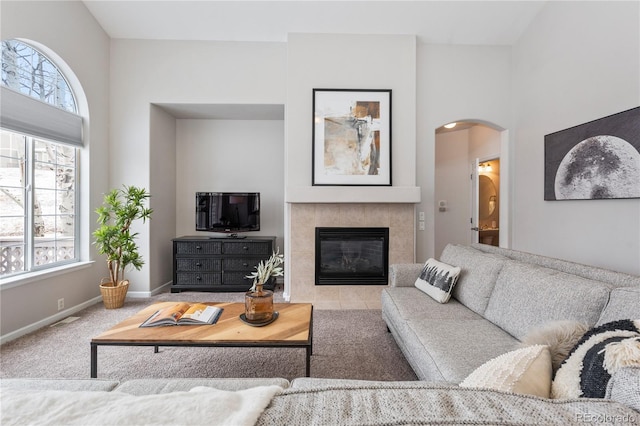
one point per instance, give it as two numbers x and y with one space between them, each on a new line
292 329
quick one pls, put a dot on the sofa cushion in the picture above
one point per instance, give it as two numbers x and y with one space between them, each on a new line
437 279
401 304
59 384
624 387
624 302
441 348
156 386
525 296
526 371
617 279
478 275
598 354
411 303
427 404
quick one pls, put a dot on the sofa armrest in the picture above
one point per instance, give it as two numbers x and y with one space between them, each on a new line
404 274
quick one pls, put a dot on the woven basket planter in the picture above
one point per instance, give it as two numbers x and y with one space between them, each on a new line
113 296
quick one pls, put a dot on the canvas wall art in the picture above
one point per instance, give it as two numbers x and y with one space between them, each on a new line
596 160
351 137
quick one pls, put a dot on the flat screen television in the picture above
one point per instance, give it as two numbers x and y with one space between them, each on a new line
228 212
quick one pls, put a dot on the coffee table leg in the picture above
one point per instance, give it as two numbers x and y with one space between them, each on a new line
94 361
308 367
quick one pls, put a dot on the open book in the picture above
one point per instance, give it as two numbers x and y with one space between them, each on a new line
184 314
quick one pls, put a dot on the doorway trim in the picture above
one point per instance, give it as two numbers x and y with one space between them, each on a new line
505 237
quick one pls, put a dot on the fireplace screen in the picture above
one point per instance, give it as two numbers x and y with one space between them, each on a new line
352 256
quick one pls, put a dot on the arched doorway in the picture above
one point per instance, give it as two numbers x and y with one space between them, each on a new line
459 151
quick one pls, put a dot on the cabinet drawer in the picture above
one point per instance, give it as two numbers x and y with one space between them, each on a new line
240 264
194 265
247 247
199 247
204 279
237 277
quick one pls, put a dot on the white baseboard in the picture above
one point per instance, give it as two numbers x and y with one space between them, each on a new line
68 312
48 321
143 294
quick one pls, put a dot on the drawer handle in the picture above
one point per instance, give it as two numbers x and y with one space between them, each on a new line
198 278
198 248
198 264
245 248
245 264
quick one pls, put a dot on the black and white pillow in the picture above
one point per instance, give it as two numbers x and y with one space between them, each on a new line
437 279
599 353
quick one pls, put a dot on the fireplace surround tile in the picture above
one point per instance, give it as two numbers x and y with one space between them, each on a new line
305 217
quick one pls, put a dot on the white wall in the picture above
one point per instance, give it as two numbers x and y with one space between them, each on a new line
231 155
455 83
577 62
163 173
335 61
149 72
82 51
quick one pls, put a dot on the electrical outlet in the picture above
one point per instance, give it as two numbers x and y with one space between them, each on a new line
60 304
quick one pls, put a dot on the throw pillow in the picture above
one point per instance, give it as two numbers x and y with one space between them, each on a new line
624 387
437 280
525 371
559 336
599 353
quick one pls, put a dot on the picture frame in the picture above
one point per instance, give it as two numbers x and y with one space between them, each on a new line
351 137
595 160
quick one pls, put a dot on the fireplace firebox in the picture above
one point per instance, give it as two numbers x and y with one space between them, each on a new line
352 256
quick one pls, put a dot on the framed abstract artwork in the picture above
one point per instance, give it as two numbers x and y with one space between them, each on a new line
595 160
351 137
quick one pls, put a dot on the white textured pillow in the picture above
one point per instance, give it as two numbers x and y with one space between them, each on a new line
437 279
525 371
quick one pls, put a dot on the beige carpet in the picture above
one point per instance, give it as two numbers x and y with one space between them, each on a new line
351 344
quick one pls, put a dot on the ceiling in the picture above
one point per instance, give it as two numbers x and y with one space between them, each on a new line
446 22
473 22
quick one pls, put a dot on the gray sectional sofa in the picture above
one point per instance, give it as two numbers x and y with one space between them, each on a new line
500 296
313 401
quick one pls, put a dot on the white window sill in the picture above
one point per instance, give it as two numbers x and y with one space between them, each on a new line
29 277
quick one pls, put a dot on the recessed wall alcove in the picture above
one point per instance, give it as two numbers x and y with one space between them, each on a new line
228 147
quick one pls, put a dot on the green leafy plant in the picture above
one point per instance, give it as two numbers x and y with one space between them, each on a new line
267 269
114 237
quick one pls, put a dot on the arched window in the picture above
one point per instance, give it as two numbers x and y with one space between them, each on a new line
28 71
41 133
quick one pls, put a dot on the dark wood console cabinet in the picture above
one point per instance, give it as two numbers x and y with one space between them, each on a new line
218 264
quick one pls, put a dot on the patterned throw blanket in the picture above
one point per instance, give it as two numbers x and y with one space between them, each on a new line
200 405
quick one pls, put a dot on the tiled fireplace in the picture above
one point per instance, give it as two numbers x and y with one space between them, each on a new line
305 217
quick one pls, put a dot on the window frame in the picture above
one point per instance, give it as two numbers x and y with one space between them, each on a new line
16 119
29 189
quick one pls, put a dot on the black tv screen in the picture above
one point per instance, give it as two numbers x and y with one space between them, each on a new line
227 211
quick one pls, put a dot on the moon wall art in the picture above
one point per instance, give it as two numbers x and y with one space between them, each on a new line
595 160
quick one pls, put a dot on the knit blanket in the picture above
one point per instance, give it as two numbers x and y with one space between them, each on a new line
200 405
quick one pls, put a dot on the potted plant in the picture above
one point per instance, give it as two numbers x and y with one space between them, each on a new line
258 303
115 240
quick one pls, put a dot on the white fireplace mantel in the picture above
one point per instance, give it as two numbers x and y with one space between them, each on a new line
352 194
